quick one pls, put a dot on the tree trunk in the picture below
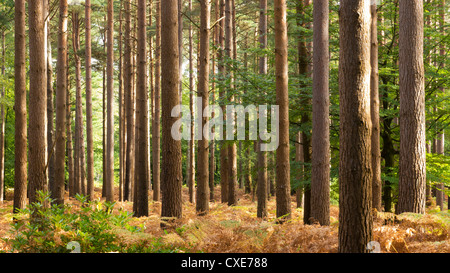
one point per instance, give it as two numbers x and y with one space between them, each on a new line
130 111
320 157
110 102
222 94
261 187
191 151
50 111
80 173
156 125
89 126
37 144
202 205
283 186
20 108
375 111
231 146
440 147
355 174
412 174
171 176
61 105
140 205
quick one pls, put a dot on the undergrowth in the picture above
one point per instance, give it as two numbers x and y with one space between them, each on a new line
101 227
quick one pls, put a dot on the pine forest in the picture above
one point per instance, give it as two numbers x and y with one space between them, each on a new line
224 126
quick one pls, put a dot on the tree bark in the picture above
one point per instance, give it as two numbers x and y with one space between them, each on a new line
110 102
375 111
262 155
222 95
320 157
89 126
156 125
130 103
355 174
412 168
202 196
61 97
20 108
231 146
191 151
171 149
283 187
37 145
140 205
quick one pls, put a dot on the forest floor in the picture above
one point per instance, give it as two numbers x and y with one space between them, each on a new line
237 229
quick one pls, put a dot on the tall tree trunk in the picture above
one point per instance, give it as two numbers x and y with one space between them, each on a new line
122 121
232 163
50 109
375 111
156 123
20 108
130 111
191 151
140 205
305 70
355 174
440 147
89 126
412 173
283 186
80 174
202 205
171 176
261 186
110 103
320 157
222 94
303 152
61 105
37 144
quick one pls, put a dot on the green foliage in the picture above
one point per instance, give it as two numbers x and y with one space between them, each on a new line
49 229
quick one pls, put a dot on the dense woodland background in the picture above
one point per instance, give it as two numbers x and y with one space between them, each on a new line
100 93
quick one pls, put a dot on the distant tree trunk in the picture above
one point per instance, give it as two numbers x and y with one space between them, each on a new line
375 111
232 163
20 108
110 101
202 205
191 151
355 174
140 205
69 145
320 168
156 124
80 173
50 111
283 187
122 121
171 177
37 144
261 186
130 111
61 105
305 70
440 147
89 126
222 94
412 173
